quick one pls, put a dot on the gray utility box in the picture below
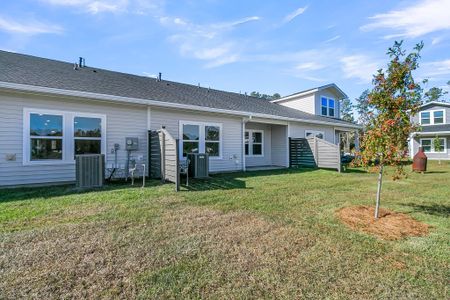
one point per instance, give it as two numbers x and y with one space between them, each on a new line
198 165
90 170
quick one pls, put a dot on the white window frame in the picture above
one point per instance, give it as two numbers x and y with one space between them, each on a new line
314 132
328 106
250 143
432 145
68 139
432 117
201 139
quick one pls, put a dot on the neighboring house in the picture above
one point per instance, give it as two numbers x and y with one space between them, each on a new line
52 110
434 120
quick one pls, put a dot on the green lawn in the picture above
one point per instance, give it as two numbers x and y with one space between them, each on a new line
253 235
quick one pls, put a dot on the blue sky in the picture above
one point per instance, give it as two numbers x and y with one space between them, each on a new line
267 46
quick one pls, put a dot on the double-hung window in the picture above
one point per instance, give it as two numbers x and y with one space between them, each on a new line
428 145
57 136
328 106
438 117
87 135
45 137
432 117
254 142
425 118
197 137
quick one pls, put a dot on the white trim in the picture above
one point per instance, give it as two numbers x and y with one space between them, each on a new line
436 103
432 117
24 88
314 132
250 142
288 134
432 145
420 133
201 138
68 139
149 118
311 91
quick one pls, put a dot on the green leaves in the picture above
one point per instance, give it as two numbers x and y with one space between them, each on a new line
394 98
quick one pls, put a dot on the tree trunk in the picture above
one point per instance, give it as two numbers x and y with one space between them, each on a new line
380 181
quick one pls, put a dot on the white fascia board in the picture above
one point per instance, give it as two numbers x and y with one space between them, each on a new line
418 133
31 89
436 103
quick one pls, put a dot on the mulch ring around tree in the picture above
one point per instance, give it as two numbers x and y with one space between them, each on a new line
389 226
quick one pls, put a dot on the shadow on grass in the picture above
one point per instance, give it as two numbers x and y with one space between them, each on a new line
436 172
45 192
432 209
214 183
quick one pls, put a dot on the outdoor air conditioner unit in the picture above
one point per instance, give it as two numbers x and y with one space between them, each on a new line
89 170
198 165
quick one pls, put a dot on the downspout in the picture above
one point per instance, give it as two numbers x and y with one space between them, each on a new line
244 121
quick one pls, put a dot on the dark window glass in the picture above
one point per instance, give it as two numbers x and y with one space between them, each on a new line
190 147
246 148
87 147
438 117
331 112
426 144
257 137
212 133
42 149
331 103
212 148
191 132
324 101
46 125
324 110
425 118
319 135
257 149
87 127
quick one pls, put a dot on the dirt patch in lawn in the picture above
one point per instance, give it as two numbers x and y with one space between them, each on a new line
389 226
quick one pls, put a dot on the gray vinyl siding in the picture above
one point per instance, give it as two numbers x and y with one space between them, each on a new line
231 130
121 121
279 146
297 130
303 103
266 160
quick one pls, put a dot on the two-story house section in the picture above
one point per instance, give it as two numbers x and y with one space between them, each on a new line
321 101
434 120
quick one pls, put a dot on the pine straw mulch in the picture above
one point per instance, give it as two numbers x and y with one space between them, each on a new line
389 226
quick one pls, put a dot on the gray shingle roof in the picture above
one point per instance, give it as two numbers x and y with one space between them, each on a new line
36 71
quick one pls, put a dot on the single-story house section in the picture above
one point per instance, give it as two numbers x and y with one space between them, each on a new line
51 111
434 121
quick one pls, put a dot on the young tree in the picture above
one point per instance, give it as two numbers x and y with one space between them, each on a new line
394 98
434 94
437 145
362 107
347 110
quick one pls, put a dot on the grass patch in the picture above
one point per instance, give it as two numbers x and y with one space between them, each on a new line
245 235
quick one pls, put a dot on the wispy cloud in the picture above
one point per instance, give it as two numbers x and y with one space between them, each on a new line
436 68
332 39
28 27
359 66
415 20
294 14
207 42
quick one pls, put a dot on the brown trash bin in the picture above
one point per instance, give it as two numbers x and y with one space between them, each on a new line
420 161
